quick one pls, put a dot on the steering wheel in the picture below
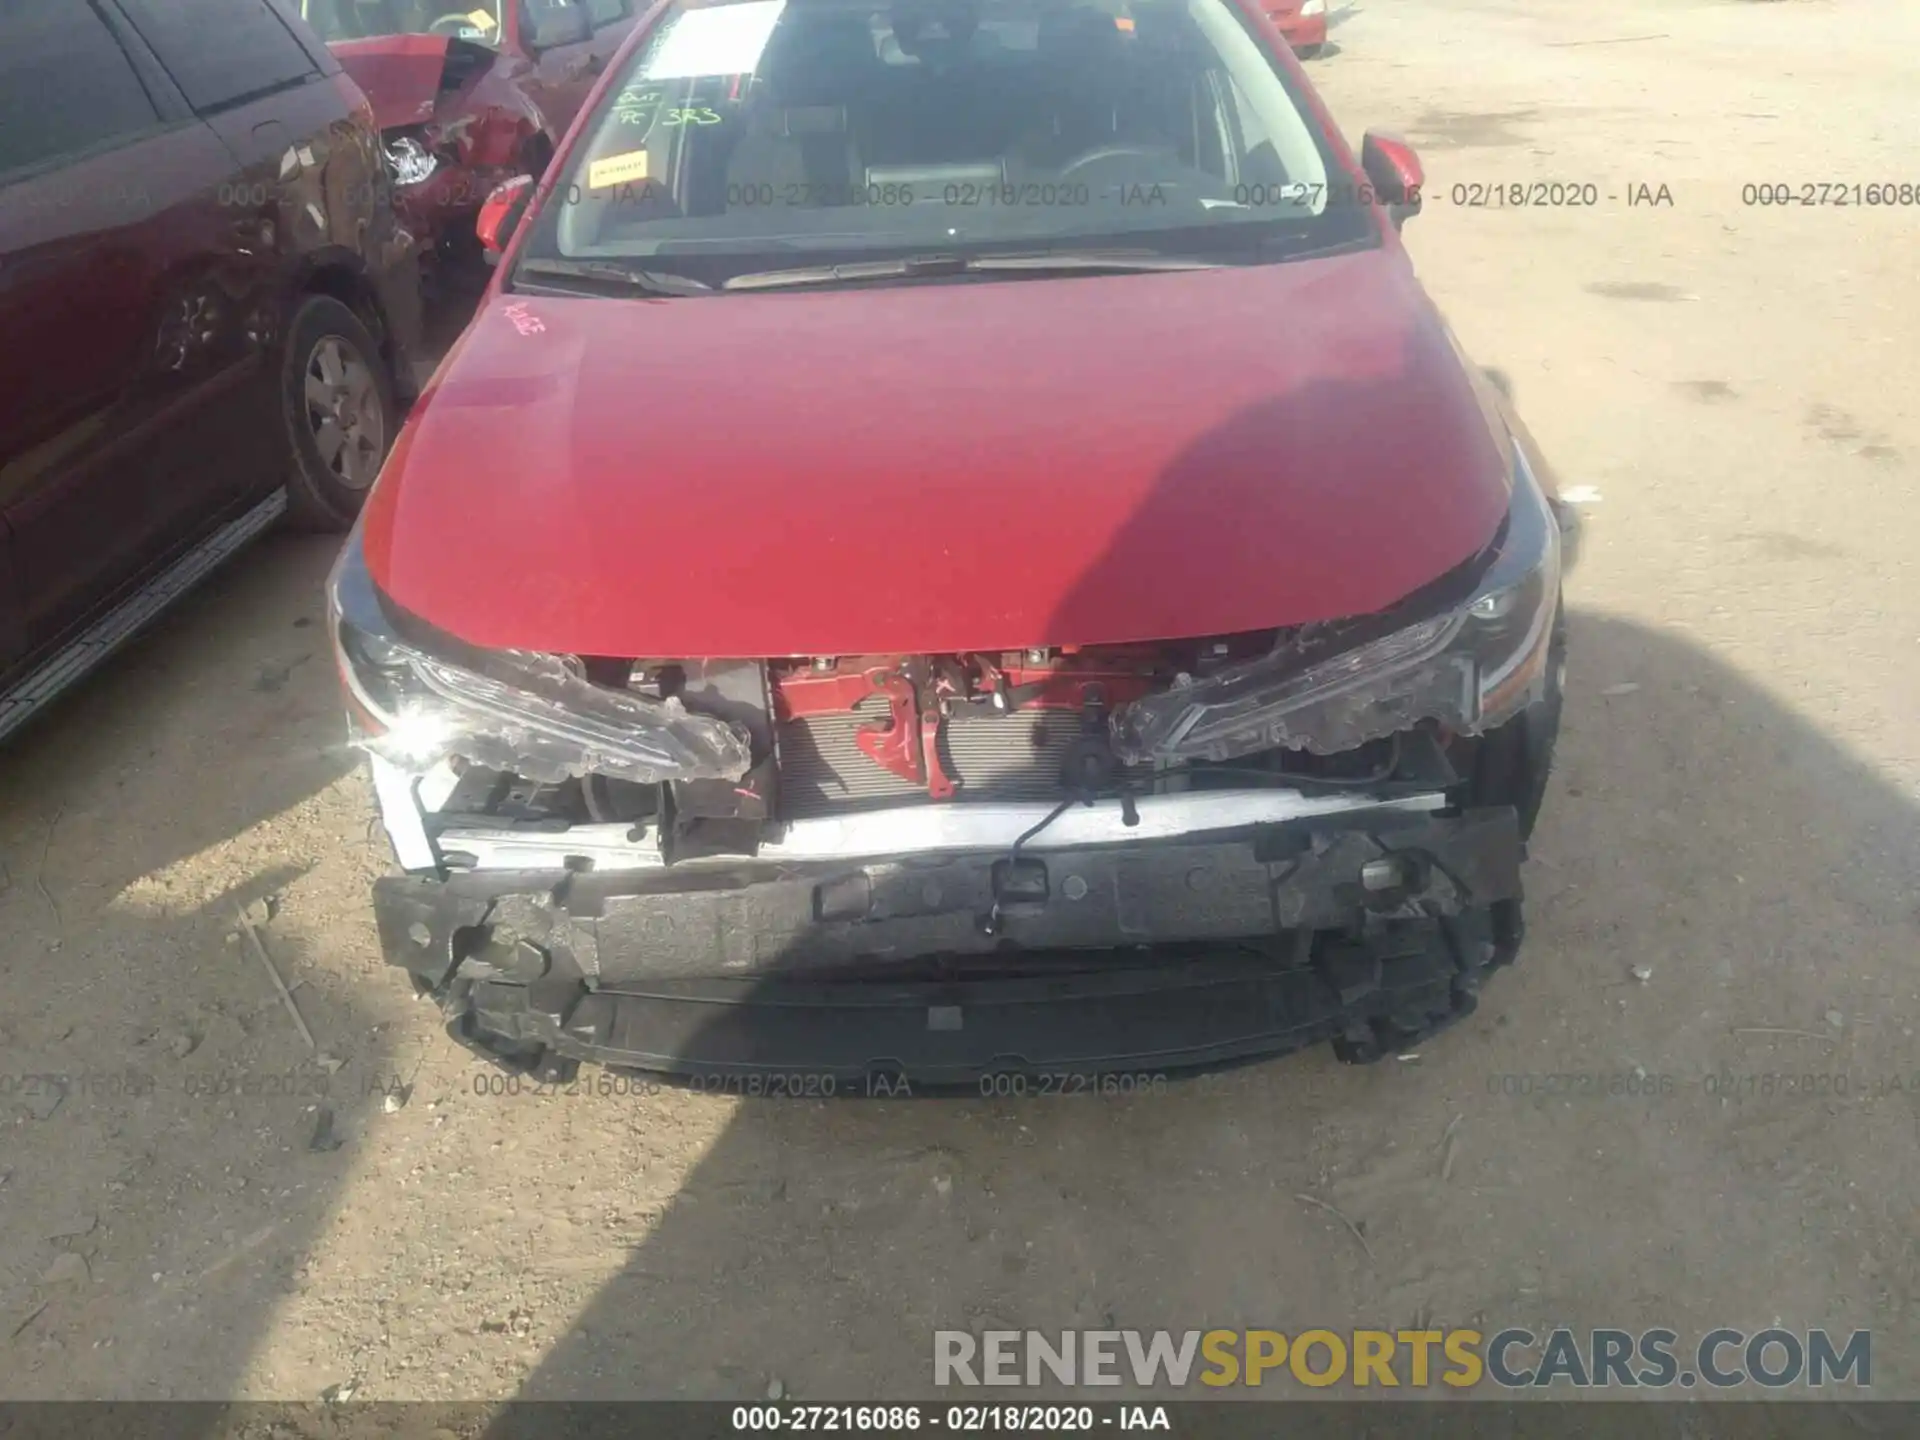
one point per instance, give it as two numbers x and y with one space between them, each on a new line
455 23
1114 152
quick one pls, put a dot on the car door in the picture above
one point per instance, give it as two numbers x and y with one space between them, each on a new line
563 75
107 200
258 89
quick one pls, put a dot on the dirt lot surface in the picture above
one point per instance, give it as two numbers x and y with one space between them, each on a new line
1723 886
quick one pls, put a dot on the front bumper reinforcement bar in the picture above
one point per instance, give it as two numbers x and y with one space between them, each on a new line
1372 931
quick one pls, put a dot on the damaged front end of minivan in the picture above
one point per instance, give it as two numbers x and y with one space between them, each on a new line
944 867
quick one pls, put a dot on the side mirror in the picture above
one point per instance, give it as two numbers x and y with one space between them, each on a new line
550 25
1395 173
501 213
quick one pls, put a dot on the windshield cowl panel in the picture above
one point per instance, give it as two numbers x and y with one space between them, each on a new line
754 136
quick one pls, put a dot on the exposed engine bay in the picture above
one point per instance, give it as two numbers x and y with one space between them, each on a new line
905 824
944 867
848 735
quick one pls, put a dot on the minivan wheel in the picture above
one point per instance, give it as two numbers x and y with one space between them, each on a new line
336 399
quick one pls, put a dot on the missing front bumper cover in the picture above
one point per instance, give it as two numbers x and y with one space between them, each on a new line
1160 956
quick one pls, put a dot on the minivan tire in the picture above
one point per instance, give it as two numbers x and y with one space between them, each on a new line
328 343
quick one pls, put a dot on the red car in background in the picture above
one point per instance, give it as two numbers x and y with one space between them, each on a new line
468 93
1302 22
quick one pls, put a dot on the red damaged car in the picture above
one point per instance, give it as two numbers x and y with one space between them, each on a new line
468 93
955 546
1302 23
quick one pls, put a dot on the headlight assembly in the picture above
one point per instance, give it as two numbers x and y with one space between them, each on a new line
409 160
526 714
1470 668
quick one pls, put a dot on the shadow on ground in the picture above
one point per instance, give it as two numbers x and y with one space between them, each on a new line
172 1145
1699 831
161 1175
1704 1057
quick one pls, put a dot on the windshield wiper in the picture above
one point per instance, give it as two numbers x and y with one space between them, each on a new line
1037 264
606 272
1115 262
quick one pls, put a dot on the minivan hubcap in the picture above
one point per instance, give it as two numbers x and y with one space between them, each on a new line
344 412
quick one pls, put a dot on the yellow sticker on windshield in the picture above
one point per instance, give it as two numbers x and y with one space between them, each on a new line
617 170
482 19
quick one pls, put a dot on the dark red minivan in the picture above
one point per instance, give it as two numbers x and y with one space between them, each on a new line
471 94
956 550
207 301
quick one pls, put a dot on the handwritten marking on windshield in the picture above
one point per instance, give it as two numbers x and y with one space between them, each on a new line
638 104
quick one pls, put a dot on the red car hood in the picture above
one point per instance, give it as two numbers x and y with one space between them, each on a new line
939 468
400 74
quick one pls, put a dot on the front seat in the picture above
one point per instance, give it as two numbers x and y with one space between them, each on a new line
1084 57
369 18
799 137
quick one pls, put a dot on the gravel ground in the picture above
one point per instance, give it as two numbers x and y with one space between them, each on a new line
1723 885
